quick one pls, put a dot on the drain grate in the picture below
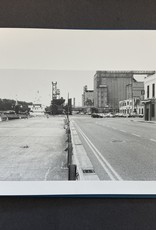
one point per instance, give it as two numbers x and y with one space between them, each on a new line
115 140
88 171
24 146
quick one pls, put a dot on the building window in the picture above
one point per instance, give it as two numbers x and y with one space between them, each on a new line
142 111
148 91
153 112
127 102
153 90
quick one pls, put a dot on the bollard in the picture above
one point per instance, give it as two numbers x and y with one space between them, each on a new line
69 137
70 148
68 130
72 175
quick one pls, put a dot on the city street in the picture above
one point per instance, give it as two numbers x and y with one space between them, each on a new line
119 148
32 149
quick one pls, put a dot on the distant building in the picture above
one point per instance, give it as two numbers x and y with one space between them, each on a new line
87 97
37 109
134 96
74 102
110 87
150 97
127 107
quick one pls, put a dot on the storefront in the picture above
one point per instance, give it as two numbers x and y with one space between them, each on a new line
150 110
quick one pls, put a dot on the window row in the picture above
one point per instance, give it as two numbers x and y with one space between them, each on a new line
153 90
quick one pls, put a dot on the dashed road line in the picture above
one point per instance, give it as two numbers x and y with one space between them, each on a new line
152 140
134 134
123 131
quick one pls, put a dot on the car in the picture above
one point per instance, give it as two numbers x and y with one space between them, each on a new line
110 115
96 115
11 114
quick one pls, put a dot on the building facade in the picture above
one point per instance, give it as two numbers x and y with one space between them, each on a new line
127 107
110 87
133 102
37 109
150 97
87 97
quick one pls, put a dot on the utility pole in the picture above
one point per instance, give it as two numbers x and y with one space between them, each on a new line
68 107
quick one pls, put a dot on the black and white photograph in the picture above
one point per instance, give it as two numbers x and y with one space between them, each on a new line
77 107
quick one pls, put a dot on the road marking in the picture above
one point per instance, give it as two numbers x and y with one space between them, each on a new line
114 128
123 131
105 164
134 134
152 140
47 173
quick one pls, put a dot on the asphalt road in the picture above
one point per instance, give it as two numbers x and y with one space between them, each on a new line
119 148
33 149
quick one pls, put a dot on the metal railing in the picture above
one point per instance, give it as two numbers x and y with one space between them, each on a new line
72 168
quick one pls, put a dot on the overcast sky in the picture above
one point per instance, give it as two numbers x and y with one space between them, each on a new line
30 59
36 85
31 85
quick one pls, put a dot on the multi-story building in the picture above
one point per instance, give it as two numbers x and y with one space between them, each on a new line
37 109
87 97
110 87
150 97
127 106
133 102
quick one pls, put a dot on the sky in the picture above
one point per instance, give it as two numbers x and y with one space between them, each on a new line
36 85
30 59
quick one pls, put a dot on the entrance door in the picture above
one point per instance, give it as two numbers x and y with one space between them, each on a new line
147 115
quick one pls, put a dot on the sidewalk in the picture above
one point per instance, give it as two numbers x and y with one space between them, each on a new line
33 149
142 120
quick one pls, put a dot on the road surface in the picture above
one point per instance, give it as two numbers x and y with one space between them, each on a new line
32 149
119 148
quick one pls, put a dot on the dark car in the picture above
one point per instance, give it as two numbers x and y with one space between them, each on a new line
96 115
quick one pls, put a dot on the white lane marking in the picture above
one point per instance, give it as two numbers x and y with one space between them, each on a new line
134 134
152 140
123 131
105 164
114 128
47 173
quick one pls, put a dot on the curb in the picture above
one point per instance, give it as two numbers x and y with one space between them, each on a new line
84 166
147 122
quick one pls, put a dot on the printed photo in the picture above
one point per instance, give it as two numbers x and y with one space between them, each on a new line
73 115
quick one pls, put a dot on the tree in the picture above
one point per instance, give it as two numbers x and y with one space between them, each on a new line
57 106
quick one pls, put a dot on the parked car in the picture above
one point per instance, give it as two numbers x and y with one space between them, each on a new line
109 115
96 115
11 114
120 115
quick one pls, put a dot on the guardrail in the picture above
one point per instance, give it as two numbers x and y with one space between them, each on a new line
72 168
78 163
